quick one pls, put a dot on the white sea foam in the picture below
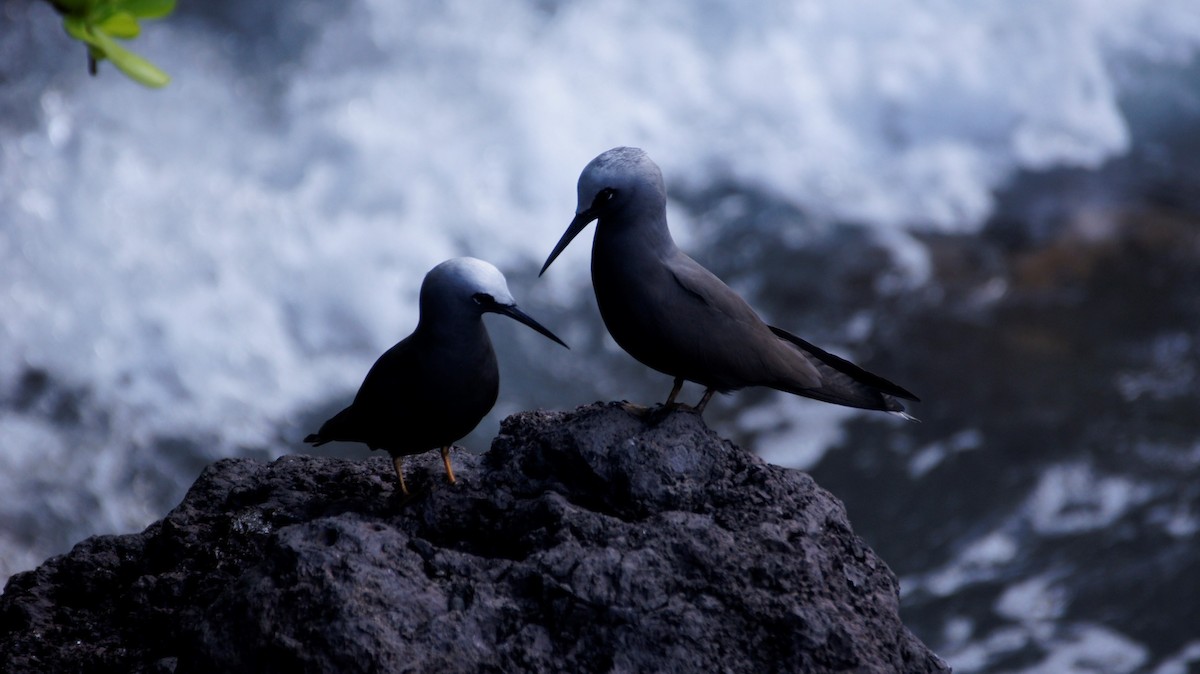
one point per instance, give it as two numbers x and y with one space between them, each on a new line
979 561
1033 600
927 458
793 432
203 262
1076 648
1073 498
1033 609
1068 499
1086 648
1181 662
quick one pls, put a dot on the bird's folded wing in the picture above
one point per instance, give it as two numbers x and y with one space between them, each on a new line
712 291
731 337
845 367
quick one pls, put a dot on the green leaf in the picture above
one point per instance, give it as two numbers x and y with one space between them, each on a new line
148 9
99 12
122 25
116 22
77 28
130 63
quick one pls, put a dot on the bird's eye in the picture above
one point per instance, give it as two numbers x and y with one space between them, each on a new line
603 196
483 299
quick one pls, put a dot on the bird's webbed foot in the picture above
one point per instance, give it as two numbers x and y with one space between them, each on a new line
639 411
655 415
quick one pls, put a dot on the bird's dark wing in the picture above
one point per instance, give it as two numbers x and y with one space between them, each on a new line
712 291
845 367
383 405
736 345
384 381
773 357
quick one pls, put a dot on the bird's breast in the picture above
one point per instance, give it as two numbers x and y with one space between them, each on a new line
461 382
636 311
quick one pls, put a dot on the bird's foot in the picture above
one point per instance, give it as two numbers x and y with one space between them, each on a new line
654 416
639 411
659 413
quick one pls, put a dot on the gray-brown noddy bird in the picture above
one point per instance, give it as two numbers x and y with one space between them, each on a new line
435 386
675 316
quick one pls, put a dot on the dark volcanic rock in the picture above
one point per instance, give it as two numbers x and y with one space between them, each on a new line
584 542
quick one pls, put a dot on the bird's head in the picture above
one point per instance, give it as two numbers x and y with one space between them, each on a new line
612 182
470 285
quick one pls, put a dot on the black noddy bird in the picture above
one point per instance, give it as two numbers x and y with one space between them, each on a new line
676 317
435 386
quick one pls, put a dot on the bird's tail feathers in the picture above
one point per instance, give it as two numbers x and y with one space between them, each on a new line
315 439
843 382
847 368
332 429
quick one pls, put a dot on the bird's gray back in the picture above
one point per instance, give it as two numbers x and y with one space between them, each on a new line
675 316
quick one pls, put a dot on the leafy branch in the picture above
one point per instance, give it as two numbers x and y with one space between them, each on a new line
97 22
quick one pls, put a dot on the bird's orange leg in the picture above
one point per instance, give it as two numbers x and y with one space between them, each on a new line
657 414
398 463
708 394
446 460
674 392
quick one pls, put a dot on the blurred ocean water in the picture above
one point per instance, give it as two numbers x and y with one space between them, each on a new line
996 205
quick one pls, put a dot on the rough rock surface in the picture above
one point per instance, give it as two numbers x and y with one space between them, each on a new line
586 541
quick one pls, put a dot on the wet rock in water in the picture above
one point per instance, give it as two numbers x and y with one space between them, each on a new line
583 541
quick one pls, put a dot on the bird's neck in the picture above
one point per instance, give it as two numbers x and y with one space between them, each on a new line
450 327
625 237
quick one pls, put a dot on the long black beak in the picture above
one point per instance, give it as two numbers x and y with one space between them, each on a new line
513 312
582 219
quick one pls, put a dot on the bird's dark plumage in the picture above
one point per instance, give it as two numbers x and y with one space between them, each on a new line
675 316
433 387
